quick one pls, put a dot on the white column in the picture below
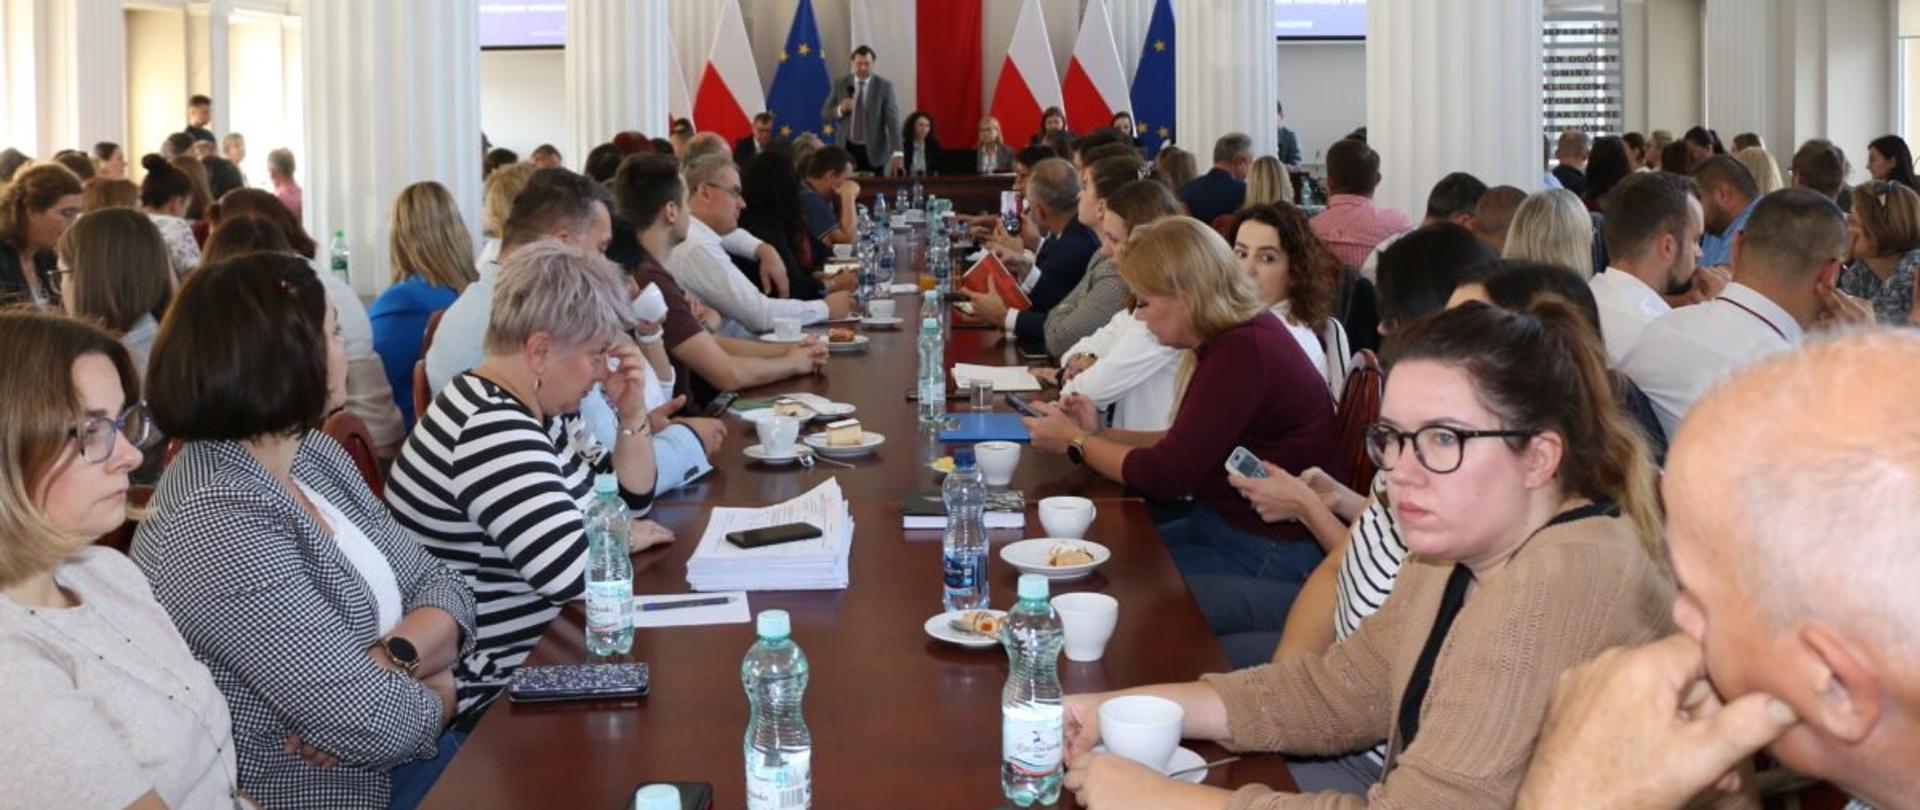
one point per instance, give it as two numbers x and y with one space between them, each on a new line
1743 85
393 98
1129 19
208 45
617 67
65 74
1453 87
1225 74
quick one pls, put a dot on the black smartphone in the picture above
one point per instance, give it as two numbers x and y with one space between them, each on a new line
1032 355
718 407
773 535
548 684
693 795
1019 403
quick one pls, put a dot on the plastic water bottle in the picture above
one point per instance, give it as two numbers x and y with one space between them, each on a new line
880 221
919 196
609 570
1032 720
963 550
900 200
779 750
933 373
337 256
885 272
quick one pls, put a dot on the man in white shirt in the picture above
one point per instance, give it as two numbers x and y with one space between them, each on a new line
701 265
1653 225
1793 245
1790 523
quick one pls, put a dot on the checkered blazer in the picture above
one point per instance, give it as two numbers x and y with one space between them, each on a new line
283 620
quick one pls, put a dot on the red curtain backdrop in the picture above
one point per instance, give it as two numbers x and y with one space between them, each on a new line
948 35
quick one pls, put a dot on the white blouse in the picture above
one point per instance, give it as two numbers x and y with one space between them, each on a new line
366 559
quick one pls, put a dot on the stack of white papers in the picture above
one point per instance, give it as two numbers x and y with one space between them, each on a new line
818 564
1004 378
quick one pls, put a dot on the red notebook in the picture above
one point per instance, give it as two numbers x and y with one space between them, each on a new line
989 274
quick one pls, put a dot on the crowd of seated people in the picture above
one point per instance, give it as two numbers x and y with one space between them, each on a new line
1434 632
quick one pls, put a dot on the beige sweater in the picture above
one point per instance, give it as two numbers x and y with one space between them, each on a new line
1574 590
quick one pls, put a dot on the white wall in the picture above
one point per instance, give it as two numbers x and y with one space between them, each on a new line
523 102
156 81
260 98
1324 86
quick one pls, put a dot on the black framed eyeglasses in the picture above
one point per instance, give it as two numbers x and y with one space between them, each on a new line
1439 448
733 190
95 435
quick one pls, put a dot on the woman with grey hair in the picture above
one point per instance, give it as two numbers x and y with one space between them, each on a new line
1552 226
496 477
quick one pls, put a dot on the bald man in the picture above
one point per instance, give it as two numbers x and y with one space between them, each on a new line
1792 531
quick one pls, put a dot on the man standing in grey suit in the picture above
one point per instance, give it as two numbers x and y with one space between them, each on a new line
864 115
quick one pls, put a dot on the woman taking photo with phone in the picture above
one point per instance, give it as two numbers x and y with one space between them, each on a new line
1527 500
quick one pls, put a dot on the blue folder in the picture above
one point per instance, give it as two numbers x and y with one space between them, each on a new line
984 427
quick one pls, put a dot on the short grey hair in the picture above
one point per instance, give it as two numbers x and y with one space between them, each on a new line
1231 147
1055 184
707 144
574 295
706 169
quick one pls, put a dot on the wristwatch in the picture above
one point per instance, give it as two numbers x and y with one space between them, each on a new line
402 652
1077 449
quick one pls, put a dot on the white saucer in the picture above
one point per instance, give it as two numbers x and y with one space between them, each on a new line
1183 758
754 452
822 407
858 343
882 323
763 414
1030 557
939 628
868 441
773 338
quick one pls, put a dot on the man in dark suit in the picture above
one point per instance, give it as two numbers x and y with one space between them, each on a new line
1223 189
745 148
864 115
1066 248
1288 146
1572 151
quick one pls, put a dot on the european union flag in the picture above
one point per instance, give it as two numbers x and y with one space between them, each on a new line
1153 81
801 82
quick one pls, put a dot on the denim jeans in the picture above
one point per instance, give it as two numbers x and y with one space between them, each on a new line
412 780
1244 583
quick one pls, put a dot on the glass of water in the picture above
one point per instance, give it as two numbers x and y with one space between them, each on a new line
980 396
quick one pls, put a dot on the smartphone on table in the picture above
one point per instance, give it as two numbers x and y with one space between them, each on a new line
773 535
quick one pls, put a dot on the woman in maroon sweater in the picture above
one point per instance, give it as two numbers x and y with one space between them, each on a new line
1249 385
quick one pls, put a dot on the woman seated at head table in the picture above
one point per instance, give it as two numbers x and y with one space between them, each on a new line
1121 365
105 705
1527 500
496 477
1246 384
330 631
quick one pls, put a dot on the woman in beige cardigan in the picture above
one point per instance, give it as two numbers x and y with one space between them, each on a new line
1527 501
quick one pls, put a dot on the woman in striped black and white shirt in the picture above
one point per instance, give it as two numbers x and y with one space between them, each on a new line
495 476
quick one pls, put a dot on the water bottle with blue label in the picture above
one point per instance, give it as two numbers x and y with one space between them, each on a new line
779 749
1032 717
963 549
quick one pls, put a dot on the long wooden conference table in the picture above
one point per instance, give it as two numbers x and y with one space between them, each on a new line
898 719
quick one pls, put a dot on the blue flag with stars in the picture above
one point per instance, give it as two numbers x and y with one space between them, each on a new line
801 82
1153 81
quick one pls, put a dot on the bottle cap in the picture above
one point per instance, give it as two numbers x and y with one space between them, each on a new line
606 484
775 624
963 459
657 797
1033 586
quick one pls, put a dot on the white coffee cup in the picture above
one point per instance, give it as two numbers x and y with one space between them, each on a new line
880 308
843 251
650 305
997 461
1087 619
786 328
1143 728
777 434
1066 517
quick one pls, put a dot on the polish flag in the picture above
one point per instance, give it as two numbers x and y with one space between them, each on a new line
1029 83
1096 86
679 100
730 92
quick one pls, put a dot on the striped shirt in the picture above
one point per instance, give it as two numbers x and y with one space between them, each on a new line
498 495
1375 552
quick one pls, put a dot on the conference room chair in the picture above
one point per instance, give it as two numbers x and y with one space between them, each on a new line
353 435
422 393
1359 407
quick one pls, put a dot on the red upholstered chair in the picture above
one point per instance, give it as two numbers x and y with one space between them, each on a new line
352 434
1359 408
422 392
1224 224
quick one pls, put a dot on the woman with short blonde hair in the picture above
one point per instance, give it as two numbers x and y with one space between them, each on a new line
1765 170
1552 226
432 259
1268 182
105 704
1249 388
496 203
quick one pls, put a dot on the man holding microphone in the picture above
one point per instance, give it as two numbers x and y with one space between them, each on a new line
864 115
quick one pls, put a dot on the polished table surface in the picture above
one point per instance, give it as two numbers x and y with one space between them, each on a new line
970 193
898 719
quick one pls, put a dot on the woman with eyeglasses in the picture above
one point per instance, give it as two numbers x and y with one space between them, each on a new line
330 631
105 705
1527 500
